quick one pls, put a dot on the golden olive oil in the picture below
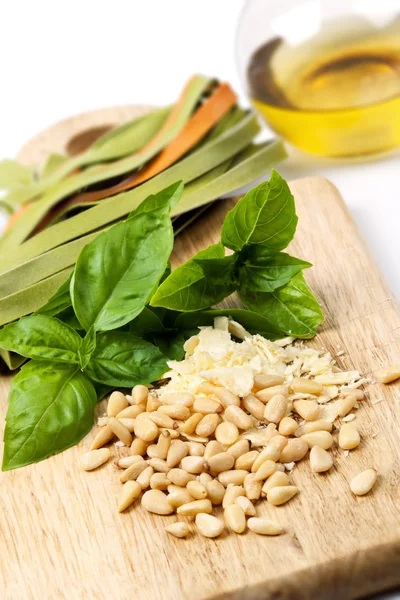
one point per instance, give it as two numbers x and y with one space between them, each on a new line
336 94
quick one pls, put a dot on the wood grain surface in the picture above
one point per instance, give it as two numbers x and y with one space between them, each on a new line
61 536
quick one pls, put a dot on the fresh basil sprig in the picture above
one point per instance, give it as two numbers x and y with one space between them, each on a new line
268 281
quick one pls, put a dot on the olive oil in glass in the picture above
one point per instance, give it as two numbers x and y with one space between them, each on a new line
335 94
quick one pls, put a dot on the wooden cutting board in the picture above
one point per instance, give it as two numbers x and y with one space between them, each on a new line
61 536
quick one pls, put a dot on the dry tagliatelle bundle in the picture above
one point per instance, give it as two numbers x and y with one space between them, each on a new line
226 427
205 140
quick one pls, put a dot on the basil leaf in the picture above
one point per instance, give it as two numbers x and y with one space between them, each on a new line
251 321
12 360
171 345
102 390
265 270
50 408
124 360
292 307
116 273
68 317
42 337
265 215
188 289
87 347
221 268
59 302
146 323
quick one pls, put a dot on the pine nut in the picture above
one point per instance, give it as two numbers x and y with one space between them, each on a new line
215 491
192 509
158 465
139 447
131 412
163 445
133 471
179 529
280 495
323 439
345 405
235 476
279 441
227 433
220 462
144 478
95 458
268 393
302 385
204 478
252 487
127 461
276 409
155 501
152 451
206 406
159 481
245 461
266 469
179 497
116 403
175 411
295 450
195 438
161 419
277 479
320 460
246 505
209 526
139 394
280 467
212 449
235 518
208 425
180 477
197 490
120 430
153 403
128 423
193 464
189 426
349 438
237 416
174 433
312 426
287 426
103 436
363 483
254 406
176 452
205 387
196 449
183 398
270 452
232 492
238 449
263 381
307 409
145 429
130 492
388 374
264 526
226 397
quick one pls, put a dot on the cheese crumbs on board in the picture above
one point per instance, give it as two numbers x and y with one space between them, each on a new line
275 402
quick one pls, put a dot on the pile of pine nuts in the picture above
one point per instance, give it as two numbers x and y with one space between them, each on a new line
190 453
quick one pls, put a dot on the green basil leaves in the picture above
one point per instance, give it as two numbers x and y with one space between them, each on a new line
50 408
265 215
116 273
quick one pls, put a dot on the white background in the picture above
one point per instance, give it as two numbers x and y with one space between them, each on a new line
59 58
